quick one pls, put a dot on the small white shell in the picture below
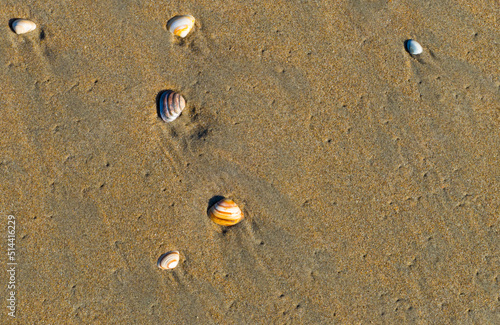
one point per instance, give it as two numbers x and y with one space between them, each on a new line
413 47
169 260
171 105
181 25
21 26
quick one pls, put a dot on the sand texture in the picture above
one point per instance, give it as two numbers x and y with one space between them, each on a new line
369 178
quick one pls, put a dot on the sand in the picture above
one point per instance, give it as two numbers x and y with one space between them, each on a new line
369 178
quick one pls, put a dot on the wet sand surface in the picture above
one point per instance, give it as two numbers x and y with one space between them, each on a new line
369 178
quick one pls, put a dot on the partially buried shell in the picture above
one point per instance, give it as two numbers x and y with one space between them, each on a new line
169 260
21 26
181 25
171 105
413 47
225 213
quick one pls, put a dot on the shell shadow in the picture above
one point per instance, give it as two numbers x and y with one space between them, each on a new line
158 100
11 21
405 43
214 200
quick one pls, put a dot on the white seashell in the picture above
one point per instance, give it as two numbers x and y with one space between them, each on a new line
413 47
181 25
225 213
171 105
21 26
169 260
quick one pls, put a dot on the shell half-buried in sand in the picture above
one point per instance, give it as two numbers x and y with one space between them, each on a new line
169 260
225 213
21 26
171 105
181 25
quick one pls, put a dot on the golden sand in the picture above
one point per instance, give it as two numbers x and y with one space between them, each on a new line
369 178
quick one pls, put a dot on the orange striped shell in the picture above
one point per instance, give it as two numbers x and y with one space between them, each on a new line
169 260
225 213
181 25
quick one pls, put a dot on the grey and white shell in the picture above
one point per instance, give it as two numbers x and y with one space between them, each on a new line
413 47
171 105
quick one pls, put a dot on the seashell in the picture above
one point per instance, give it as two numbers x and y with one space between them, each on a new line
21 26
171 105
413 47
169 260
181 25
225 213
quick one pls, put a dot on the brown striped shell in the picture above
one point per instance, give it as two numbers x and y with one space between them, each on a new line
171 105
169 260
225 213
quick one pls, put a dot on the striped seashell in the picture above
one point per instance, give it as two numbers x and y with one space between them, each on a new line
225 213
21 26
171 105
181 25
169 260
413 47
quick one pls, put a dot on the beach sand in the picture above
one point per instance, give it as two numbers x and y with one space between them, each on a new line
369 178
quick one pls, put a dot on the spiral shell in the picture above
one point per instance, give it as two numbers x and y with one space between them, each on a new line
225 213
171 105
413 47
169 260
21 26
181 25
